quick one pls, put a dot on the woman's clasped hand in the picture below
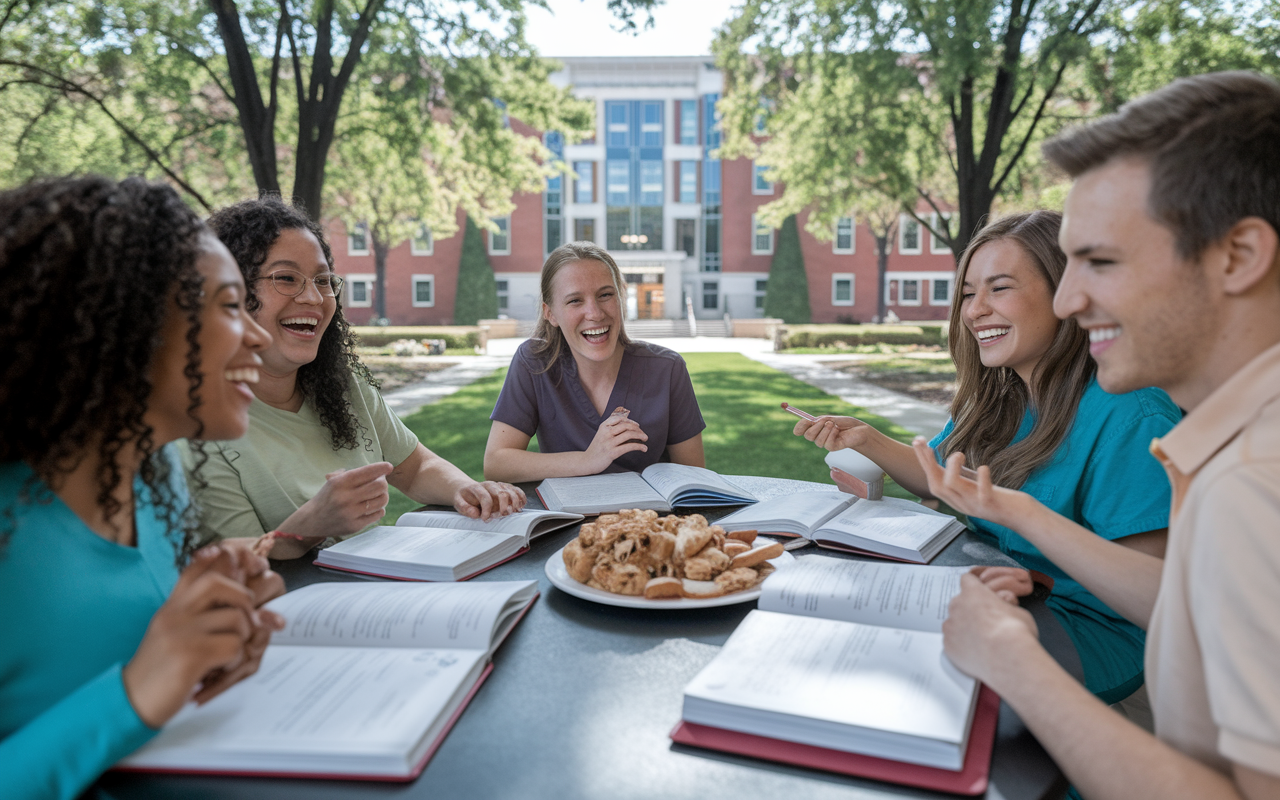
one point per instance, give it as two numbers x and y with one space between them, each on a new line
210 633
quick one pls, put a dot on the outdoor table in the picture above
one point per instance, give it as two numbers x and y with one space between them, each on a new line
582 699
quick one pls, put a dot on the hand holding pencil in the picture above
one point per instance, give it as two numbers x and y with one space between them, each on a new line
832 432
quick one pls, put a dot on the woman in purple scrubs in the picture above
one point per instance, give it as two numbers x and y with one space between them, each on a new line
566 382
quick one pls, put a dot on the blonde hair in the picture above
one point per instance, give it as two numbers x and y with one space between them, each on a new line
548 340
990 402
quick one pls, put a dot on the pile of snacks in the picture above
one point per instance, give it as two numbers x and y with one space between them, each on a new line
638 553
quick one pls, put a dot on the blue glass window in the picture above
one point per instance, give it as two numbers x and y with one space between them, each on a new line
688 181
618 122
759 184
651 124
688 121
618 183
650 183
585 187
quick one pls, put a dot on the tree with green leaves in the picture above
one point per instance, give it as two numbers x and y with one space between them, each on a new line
787 294
931 103
396 189
477 295
282 74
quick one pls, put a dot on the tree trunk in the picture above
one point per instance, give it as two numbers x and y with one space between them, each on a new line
257 119
882 269
380 249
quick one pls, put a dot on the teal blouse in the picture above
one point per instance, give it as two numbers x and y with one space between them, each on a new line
73 609
1103 478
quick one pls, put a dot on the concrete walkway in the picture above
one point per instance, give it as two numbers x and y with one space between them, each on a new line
916 416
408 399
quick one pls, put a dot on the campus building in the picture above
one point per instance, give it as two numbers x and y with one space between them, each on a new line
680 222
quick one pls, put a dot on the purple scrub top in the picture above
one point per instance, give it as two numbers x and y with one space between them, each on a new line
653 383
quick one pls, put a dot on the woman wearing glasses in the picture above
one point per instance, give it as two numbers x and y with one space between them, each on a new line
322 445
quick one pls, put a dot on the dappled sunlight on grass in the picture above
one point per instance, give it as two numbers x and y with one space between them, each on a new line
747 432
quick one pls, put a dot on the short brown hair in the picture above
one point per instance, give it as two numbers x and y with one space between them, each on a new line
1213 145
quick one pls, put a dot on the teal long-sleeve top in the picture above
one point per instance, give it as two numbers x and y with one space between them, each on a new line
1102 477
73 610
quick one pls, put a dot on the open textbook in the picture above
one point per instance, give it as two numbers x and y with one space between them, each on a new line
661 487
364 682
889 528
441 545
842 668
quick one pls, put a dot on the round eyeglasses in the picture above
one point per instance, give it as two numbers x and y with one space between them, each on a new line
291 284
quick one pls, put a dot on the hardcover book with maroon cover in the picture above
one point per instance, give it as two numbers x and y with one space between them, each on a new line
363 684
441 545
842 668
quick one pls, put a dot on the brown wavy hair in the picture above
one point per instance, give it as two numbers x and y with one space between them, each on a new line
990 402
249 229
548 340
89 269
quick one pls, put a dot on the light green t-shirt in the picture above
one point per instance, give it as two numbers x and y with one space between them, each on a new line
256 482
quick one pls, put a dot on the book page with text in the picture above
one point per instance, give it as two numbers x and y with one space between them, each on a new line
613 491
453 615
807 510
318 702
668 479
910 596
890 524
871 678
521 522
435 546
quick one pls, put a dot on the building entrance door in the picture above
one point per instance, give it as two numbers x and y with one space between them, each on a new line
649 301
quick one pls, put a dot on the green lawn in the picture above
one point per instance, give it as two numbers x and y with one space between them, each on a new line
747 432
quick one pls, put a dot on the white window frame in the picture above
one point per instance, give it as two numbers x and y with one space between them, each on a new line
903 221
842 276
755 251
756 179
352 250
493 251
936 247
702 301
352 280
415 280
761 292
502 293
951 287
853 238
902 282
429 250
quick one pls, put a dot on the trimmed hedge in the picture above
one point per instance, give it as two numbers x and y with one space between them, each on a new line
455 336
787 293
852 335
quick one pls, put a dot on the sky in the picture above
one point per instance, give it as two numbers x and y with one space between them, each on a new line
584 28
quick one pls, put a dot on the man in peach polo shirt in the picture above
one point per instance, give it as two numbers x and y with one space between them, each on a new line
1170 231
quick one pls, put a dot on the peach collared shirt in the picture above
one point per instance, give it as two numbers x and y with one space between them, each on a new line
1213 646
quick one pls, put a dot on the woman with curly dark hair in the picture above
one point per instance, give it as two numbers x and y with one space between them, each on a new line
122 330
322 444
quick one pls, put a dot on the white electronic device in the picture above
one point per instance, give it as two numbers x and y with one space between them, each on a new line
867 477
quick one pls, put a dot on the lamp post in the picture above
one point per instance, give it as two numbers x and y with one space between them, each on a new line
633 240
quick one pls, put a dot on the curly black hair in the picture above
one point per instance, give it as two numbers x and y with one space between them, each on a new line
249 229
88 269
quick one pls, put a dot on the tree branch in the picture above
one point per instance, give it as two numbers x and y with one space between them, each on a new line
1031 130
67 85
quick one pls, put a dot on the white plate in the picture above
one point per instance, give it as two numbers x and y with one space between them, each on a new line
561 579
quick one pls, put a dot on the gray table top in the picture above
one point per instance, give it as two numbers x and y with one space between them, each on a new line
582 699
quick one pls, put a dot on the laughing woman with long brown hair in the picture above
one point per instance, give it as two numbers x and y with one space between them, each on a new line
1028 406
